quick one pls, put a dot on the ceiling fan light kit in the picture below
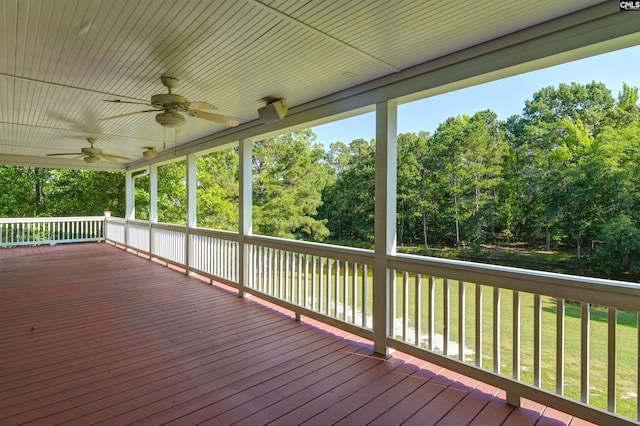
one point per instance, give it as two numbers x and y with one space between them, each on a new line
171 119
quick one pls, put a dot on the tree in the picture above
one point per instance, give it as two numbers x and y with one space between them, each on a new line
218 190
21 194
411 189
172 193
348 206
548 121
289 177
620 246
84 192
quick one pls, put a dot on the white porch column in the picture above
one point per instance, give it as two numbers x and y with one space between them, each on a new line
245 227
385 220
153 205
129 204
153 193
130 199
191 190
191 207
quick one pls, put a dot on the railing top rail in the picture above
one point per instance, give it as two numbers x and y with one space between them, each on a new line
169 226
50 219
215 233
619 294
137 222
316 249
116 219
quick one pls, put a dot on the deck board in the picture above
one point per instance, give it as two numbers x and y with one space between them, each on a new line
92 334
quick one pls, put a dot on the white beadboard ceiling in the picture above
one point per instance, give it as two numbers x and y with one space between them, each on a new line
60 59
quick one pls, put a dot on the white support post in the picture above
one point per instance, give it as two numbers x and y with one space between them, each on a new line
130 199
130 206
153 193
191 207
385 219
245 216
153 205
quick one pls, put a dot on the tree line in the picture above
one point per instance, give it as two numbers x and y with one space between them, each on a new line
562 174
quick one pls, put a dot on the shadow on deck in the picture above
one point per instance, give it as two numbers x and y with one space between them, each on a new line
92 334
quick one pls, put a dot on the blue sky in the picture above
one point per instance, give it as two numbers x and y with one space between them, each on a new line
504 97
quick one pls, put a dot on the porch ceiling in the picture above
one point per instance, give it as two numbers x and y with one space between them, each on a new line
60 59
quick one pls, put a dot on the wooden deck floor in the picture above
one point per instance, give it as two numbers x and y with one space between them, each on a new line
91 334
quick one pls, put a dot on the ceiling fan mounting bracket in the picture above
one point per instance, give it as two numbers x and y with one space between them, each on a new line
170 82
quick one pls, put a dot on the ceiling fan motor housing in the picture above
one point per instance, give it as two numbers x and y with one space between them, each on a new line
164 100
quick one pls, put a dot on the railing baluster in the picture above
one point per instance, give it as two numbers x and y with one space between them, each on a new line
354 293
314 284
336 285
418 308
638 367
405 304
321 285
447 316
392 302
516 335
496 329
584 351
345 291
271 265
306 281
611 362
293 276
365 294
560 346
478 354
259 267
432 312
280 276
537 340
462 319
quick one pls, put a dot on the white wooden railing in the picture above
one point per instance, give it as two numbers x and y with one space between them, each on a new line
532 333
50 230
329 283
553 338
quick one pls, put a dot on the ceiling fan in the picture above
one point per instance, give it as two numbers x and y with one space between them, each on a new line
169 107
93 155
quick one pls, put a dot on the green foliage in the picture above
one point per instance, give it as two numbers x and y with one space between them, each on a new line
218 191
348 200
34 192
620 246
289 177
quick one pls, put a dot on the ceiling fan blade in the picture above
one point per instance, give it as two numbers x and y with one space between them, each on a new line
119 101
68 153
130 113
198 105
114 158
214 117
